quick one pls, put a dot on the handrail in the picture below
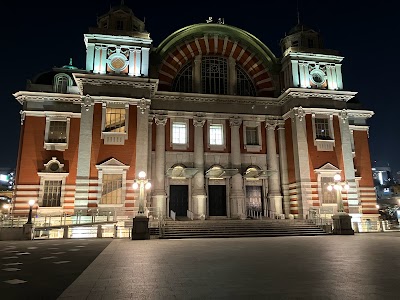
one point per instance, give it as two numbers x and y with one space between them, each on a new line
173 215
190 214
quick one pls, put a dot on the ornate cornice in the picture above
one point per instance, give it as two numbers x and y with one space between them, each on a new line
40 97
291 93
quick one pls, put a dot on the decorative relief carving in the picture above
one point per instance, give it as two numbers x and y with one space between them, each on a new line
150 119
22 113
161 119
87 102
299 113
198 121
142 105
235 121
344 115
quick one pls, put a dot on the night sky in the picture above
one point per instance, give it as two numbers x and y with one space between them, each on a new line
38 35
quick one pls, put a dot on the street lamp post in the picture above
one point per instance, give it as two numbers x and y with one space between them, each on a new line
341 220
140 229
28 226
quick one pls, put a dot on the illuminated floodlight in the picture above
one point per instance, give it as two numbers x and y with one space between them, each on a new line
337 177
31 202
147 185
142 174
4 178
135 185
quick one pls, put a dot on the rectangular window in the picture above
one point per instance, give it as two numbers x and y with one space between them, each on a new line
252 135
328 197
52 193
310 43
115 120
179 133
216 134
322 129
112 189
120 25
57 132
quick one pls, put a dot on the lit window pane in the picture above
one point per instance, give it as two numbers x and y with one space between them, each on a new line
57 132
115 120
112 189
216 134
179 133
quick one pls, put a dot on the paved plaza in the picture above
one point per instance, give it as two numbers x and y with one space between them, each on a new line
363 266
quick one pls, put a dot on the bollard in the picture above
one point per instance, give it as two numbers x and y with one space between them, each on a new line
65 235
115 231
99 231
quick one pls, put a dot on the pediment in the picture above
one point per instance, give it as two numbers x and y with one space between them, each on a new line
112 163
328 167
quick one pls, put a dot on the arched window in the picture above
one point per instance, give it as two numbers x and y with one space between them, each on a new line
214 75
244 85
183 81
61 83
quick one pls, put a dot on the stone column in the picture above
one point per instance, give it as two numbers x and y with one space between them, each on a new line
89 57
199 197
103 63
142 150
96 68
348 163
131 66
84 155
301 161
284 169
144 67
295 73
274 193
159 194
237 199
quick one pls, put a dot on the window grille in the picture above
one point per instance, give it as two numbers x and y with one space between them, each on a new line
62 83
179 133
112 189
322 129
183 81
52 193
57 132
216 134
252 135
244 86
115 120
328 197
214 75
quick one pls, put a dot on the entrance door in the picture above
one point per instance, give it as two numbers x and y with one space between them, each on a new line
254 198
217 200
178 199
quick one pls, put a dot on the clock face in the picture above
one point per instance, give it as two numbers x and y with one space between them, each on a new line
317 77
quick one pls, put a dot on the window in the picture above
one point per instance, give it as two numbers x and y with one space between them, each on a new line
251 135
183 82
328 197
52 193
111 189
52 186
322 129
112 183
214 75
322 126
120 25
115 120
179 133
56 133
61 83
216 134
115 124
244 85
310 43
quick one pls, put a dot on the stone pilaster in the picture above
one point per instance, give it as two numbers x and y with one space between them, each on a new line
274 193
159 194
199 197
237 199
284 169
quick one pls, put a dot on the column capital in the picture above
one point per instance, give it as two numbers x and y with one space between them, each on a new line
150 119
271 124
198 121
143 105
161 119
344 115
235 121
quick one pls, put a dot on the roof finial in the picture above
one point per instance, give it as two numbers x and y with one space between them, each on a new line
70 61
122 2
298 13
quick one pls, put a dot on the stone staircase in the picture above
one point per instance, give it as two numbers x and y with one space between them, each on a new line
239 228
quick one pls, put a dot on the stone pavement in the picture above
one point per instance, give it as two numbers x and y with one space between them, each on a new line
363 266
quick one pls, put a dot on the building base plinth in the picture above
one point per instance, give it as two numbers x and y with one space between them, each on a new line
140 229
342 224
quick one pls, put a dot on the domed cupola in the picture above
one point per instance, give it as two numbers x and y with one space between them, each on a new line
306 63
301 38
119 44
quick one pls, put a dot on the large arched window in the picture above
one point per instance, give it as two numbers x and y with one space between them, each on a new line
183 82
214 75
244 85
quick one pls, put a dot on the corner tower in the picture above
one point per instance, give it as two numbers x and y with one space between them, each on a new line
119 44
307 64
